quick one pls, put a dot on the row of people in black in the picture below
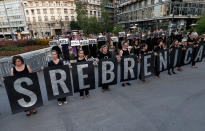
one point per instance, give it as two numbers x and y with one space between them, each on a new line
109 51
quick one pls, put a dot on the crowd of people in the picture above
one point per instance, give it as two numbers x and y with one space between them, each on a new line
138 45
132 43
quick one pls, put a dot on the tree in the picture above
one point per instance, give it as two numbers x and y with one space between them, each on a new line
91 24
82 18
94 26
200 27
117 29
74 25
106 22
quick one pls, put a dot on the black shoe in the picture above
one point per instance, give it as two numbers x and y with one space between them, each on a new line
28 113
173 72
128 84
169 73
123 84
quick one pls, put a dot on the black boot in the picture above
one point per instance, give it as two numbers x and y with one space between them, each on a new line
173 71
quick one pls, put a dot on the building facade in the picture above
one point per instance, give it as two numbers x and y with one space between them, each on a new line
94 8
49 17
12 19
156 14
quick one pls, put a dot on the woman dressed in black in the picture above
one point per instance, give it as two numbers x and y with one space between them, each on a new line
104 54
195 44
157 49
174 45
92 47
57 62
21 69
143 51
136 48
81 58
183 47
85 47
125 52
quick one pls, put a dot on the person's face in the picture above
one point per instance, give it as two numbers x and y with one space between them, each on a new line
176 43
126 45
111 44
161 43
54 55
136 42
91 36
81 54
145 47
18 62
105 50
184 43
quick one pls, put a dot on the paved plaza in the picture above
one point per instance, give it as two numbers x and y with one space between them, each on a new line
171 103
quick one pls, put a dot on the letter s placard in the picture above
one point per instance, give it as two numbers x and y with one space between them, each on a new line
23 92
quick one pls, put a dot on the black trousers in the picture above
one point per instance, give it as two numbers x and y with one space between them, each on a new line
170 68
193 63
66 55
105 87
62 99
156 70
93 50
86 91
85 49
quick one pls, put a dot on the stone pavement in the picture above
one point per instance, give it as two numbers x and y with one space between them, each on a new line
171 103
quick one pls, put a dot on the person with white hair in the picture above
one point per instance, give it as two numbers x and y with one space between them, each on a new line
104 54
183 46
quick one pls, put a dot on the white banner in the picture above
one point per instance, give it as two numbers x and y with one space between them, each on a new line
75 42
92 41
53 43
102 38
64 41
84 42
121 34
114 39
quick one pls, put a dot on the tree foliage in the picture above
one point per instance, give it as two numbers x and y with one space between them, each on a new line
74 25
117 29
200 27
106 22
92 24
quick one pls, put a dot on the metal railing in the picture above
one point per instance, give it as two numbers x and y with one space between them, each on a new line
34 59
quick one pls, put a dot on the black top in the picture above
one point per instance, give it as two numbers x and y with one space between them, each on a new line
158 48
81 60
65 47
143 52
51 63
19 73
136 50
183 46
125 52
190 40
104 56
